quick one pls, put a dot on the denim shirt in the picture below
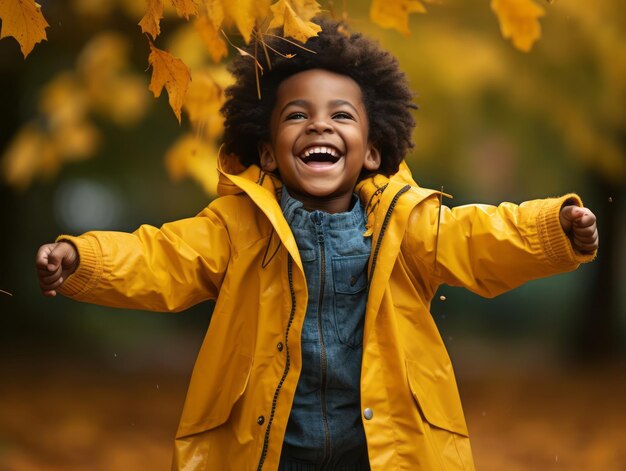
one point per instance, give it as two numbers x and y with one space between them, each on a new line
325 429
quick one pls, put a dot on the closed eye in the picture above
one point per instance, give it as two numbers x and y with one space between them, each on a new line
296 115
343 115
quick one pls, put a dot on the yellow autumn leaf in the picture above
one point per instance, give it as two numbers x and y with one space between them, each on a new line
305 9
29 152
293 25
63 100
185 8
171 73
186 44
75 141
23 20
204 99
192 157
212 39
215 12
151 21
243 14
519 21
395 13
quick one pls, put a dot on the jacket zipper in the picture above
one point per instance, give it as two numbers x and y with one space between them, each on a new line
323 360
383 228
266 439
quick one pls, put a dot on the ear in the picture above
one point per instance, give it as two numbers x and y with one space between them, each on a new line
266 157
372 158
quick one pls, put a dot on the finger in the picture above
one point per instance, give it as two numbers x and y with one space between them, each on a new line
585 220
585 247
41 259
49 293
571 212
52 285
56 256
582 232
50 277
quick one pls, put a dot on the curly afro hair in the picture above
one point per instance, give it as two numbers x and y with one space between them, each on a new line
385 91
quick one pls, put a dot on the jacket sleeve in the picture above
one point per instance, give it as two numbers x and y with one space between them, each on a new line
166 269
491 249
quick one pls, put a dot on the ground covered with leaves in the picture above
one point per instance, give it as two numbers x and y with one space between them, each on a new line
69 418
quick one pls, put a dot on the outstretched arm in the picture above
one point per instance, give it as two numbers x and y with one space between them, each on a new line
492 249
166 269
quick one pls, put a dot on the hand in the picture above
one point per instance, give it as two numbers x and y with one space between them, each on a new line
55 262
580 225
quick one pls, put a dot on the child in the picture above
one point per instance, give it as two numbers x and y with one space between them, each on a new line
323 256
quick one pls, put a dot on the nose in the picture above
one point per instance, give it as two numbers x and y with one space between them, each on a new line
319 126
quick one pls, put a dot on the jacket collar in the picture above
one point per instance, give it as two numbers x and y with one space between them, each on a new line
380 195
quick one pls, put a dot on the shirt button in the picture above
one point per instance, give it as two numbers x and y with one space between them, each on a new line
353 281
279 346
260 420
368 413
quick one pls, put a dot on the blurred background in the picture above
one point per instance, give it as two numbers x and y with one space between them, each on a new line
84 145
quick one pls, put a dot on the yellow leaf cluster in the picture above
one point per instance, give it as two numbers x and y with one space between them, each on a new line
23 20
293 16
68 135
519 21
395 13
192 157
63 131
204 99
171 73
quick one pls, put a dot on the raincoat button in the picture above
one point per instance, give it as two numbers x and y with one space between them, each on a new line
280 346
368 413
260 420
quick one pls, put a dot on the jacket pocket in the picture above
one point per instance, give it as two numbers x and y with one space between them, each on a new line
437 398
350 280
210 401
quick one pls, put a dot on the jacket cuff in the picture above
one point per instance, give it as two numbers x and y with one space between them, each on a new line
556 243
89 269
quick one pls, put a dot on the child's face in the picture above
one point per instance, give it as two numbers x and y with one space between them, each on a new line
319 139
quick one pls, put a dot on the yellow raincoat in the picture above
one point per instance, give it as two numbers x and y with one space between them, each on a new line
241 252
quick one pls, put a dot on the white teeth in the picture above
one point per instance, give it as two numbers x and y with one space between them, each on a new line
320 150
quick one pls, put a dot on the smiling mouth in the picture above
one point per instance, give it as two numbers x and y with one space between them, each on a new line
320 155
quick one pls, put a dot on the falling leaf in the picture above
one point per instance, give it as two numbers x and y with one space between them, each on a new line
293 25
151 21
192 157
519 21
395 13
215 44
171 73
23 20
185 8
214 12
